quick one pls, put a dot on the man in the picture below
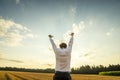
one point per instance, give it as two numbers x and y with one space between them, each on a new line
63 58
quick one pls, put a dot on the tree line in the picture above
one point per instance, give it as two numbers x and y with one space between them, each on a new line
84 69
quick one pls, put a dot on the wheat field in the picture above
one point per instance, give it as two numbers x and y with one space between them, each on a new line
12 75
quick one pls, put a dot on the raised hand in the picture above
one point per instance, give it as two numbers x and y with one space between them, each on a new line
72 34
50 36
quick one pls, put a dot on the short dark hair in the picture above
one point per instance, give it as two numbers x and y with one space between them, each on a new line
63 45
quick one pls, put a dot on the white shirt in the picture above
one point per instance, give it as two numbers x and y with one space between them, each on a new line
63 56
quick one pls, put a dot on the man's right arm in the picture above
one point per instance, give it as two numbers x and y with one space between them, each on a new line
52 42
71 40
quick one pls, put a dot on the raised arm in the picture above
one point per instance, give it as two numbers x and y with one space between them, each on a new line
71 40
52 42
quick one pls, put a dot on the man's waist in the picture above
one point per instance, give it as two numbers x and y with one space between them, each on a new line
62 72
61 69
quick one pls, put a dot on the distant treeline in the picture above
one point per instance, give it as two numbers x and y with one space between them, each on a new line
48 70
85 69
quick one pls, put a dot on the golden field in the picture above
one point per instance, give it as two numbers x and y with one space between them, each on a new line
12 75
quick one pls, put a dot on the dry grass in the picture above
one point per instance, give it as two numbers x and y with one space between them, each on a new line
93 77
11 75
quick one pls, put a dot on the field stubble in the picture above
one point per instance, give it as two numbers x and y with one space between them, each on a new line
11 75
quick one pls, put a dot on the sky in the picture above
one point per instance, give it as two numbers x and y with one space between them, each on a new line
26 24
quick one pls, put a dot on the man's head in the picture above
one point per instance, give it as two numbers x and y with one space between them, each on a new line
63 45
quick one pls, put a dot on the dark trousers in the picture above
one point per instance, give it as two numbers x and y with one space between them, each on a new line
61 76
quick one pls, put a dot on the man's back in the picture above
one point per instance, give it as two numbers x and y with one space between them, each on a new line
63 56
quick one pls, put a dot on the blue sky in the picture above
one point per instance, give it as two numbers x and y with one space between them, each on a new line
25 25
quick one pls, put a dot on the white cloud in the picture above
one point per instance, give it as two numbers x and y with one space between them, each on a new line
17 1
2 58
73 11
110 32
4 27
90 22
13 39
88 52
76 28
1 54
11 33
11 60
30 35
